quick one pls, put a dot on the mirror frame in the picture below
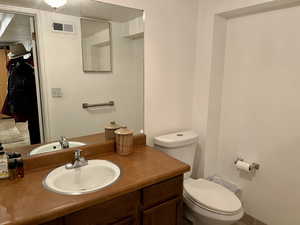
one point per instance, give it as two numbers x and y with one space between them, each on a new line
110 46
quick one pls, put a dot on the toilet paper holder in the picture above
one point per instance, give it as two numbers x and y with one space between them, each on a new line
253 166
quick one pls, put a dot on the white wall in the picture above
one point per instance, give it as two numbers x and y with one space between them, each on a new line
203 71
5 20
63 68
170 38
260 112
18 30
169 62
96 48
253 110
134 27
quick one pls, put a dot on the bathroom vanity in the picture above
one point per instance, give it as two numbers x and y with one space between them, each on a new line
160 203
148 192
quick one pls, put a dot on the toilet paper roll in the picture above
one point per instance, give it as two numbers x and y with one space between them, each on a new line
243 166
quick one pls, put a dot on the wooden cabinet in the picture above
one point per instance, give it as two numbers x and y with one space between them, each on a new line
162 203
161 192
166 213
158 204
128 221
59 221
111 212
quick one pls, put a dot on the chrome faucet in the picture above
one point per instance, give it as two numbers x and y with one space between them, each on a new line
64 143
79 161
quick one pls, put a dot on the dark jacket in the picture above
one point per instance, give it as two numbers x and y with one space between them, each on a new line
21 97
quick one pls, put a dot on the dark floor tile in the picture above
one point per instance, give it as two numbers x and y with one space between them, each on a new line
186 222
248 220
257 222
240 223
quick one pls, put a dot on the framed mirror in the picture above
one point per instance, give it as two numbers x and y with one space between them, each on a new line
56 47
96 45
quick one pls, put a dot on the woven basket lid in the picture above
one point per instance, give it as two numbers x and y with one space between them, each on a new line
112 126
123 131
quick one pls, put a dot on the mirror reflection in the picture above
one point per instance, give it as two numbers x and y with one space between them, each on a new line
96 45
66 73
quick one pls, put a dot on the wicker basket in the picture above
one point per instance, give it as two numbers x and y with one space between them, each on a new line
110 130
124 141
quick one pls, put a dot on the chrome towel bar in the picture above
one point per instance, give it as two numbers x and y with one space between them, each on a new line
87 105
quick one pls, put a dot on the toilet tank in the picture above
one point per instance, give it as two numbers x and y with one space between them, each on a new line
180 145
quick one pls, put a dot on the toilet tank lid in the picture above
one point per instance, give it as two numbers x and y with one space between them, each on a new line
176 140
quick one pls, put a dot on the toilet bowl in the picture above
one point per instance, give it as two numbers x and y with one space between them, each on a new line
206 203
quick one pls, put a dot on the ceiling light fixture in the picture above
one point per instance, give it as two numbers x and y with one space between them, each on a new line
56 3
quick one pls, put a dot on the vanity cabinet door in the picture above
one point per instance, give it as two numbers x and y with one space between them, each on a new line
114 212
128 221
59 221
162 192
168 213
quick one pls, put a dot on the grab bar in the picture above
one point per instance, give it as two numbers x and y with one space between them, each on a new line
87 105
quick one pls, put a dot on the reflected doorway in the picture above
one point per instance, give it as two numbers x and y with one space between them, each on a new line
20 100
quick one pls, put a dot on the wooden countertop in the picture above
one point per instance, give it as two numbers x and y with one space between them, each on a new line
25 201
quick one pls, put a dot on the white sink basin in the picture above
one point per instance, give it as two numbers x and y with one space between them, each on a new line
92 177
54 146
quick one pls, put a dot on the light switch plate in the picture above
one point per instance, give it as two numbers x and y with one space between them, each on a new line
56 92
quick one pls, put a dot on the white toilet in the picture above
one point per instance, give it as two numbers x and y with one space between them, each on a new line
206 203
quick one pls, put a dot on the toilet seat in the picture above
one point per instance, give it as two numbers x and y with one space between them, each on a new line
193 212
211 197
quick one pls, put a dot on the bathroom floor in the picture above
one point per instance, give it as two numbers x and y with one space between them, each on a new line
186 222
240 223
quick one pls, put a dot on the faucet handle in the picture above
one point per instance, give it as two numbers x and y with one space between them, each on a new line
78 161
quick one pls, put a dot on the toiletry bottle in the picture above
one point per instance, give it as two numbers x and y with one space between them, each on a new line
20 167
3 164
15 165
12 167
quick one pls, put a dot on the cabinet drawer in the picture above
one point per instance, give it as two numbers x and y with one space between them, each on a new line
108 212
162 192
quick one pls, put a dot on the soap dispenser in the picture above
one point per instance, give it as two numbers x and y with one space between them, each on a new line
3 164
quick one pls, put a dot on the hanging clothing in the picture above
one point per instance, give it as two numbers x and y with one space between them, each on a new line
21 101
